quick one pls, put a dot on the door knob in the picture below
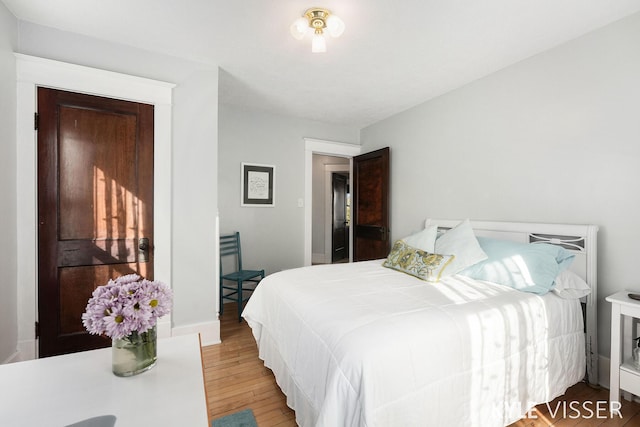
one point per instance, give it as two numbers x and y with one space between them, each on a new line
143 249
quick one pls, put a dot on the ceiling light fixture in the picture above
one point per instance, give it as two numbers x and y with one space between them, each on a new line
316 21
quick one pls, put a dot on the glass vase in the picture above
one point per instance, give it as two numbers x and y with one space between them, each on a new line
134 353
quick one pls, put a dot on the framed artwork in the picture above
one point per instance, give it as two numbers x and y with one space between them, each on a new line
257 185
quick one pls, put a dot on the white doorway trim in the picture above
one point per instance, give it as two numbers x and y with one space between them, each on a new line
33 72
330 148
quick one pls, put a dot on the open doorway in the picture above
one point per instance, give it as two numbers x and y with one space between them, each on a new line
330 231
326 148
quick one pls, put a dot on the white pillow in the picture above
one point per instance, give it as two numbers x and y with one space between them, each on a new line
424 240
461 242
571 286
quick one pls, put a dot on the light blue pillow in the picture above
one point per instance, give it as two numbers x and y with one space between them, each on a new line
528 267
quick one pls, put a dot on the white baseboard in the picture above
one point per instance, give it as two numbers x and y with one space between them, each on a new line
209 331
27 350
15 357
318 259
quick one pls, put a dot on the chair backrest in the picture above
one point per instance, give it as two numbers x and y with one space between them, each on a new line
230 245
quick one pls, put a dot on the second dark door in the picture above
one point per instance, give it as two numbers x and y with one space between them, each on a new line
340 229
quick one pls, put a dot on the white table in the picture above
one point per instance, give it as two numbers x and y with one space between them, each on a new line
624 375
62 390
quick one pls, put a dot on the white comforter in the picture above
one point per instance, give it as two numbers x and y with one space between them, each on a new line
362 345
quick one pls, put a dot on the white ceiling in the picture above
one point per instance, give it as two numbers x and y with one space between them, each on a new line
394 54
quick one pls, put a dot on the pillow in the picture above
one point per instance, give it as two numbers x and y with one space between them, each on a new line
461 242
571 286
424 240
423 265
529 267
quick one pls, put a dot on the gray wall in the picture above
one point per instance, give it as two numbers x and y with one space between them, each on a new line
551 139
272 238
194 148
8 240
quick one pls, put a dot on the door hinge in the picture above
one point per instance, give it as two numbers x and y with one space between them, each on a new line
37 330
35 121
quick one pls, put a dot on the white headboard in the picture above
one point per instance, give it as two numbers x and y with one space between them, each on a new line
580 240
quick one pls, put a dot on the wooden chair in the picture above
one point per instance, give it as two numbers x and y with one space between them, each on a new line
230 246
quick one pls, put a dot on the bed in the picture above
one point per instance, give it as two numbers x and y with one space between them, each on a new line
364 345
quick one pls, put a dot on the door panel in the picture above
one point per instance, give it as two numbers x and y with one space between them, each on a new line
104 142
78 282
371 205
95 203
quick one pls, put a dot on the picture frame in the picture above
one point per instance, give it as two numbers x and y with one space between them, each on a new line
257 185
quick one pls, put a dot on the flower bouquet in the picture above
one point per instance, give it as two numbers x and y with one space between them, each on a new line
127 310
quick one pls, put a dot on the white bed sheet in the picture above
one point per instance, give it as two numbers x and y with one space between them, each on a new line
363 345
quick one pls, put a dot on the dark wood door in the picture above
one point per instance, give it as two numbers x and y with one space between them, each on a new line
340 232
95 207
371 205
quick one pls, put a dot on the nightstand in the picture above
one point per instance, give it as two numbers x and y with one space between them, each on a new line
623 373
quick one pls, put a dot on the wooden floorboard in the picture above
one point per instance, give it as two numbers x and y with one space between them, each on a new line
236 379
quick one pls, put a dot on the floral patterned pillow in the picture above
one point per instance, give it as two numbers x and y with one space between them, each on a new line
416 262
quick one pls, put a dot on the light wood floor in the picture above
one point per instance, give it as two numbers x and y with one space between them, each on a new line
236 379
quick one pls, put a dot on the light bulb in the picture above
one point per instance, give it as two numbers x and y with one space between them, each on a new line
299 28
335 26
318 44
